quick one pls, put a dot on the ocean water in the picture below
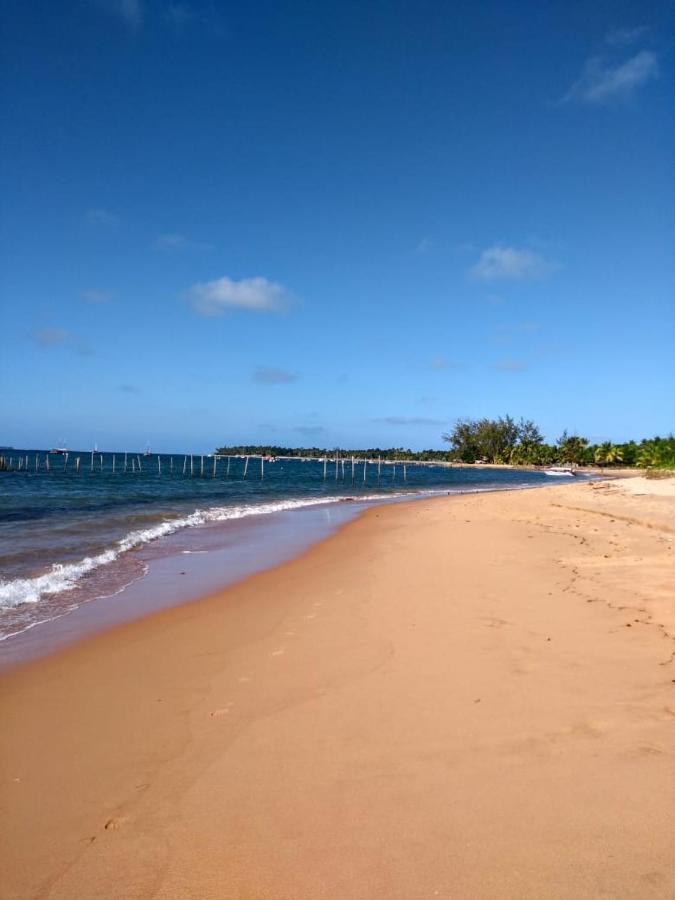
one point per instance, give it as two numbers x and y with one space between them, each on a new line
68 536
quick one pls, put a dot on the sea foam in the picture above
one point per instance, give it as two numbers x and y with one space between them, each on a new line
62 577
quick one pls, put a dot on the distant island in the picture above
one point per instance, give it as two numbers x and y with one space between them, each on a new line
496 441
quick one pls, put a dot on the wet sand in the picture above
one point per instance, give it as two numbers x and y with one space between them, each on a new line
461 697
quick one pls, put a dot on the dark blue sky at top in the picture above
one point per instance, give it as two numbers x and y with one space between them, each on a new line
343 224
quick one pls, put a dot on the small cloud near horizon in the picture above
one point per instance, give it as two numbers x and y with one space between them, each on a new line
510 365
213 298
602 81
270 375
309 430
96 296
410 420
440 364
504 263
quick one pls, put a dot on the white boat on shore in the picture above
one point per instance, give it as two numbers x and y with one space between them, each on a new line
560 471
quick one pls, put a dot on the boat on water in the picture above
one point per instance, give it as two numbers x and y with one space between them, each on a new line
560 471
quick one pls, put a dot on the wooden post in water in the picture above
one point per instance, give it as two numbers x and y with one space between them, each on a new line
405 472
192 465
184 464
325 467
246 467
201 471
46 461
159 464
393 474
365 466
113 463
77 465
262 467
65 463
140 467
343 468
171 465
91 467
125 462
352 470
336 467
227 473
133 465
26 465
37 461
215 464
379 468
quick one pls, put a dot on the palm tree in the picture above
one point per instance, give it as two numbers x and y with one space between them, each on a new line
614 455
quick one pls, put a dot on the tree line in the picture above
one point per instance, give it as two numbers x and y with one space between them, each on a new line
501 440
390 453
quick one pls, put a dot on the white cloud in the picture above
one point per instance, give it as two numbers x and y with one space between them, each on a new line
510 365
500 262
96 296
621 37
174 241
309 430
213 298
270 375
424 245
602 81
49 338
179 14
410 420
101 218
441 363
52 337
131 12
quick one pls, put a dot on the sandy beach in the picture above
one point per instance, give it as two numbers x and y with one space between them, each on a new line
465 697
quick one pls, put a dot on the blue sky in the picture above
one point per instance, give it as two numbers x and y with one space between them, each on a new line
340 223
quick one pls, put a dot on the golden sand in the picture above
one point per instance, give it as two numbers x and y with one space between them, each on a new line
468 697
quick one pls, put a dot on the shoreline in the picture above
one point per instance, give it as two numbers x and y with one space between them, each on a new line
466 696
164 568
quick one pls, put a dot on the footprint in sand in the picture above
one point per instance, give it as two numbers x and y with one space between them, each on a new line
279 652
649 750
115 823
223 711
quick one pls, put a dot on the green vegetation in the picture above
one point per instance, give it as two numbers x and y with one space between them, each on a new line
501 440
505 441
